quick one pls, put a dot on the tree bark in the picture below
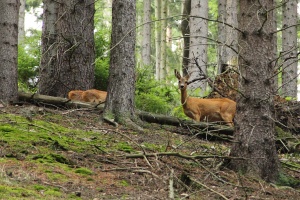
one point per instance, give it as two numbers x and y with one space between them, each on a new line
221 35
289 49
146 46
198 42
185 30
120 99
254 120
157 39
163 46
21 24
9 14
68 55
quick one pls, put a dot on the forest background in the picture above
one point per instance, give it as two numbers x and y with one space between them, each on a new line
149 97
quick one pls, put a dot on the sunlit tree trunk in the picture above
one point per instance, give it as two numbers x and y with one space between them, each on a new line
120 100
185 30
21 24
198 41
254 120
289 49
157 39
146 40
9 14
68 55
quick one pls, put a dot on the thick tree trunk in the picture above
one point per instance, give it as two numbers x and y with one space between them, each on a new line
68 55
163 30
254 121
289 49
121 87
9 13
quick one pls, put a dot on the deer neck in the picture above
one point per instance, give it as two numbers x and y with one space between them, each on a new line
184 97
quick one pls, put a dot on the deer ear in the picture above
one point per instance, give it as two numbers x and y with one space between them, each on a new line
188 76
177 74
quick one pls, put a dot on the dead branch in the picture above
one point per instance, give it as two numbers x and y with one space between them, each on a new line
179 155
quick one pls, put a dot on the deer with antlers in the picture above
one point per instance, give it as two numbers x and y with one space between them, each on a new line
214 110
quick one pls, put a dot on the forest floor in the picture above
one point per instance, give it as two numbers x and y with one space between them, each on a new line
67 154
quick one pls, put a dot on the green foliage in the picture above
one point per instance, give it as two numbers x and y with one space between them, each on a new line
153 96
28 61
102 44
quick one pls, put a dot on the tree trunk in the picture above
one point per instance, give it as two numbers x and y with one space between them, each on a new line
68 55
221 35
157 39
198 42
185 29
163 46
121 87
231 33
21 30
254 120
9 13
146 46
289 49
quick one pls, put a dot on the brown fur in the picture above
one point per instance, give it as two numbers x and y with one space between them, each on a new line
219 109
75 95
94 96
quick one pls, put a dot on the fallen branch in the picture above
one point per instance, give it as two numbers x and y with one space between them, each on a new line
180 155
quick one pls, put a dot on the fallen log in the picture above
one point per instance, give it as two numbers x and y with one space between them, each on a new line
56 101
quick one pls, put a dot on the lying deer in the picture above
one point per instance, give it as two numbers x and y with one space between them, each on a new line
75 95
91 96
219 109
94 96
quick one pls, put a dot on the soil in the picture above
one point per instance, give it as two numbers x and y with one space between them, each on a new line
115 167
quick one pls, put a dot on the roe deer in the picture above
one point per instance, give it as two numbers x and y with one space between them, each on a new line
94 96
75 95
219 109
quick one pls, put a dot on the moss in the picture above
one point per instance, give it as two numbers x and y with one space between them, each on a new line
286 180
124 146
83 171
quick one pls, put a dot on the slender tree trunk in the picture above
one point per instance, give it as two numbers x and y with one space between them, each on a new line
146 46
157 39
221 35
198 41
163 46
254 120
21 33
9 14
120 100
275 54
185 29
231 33
289 49
68 55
